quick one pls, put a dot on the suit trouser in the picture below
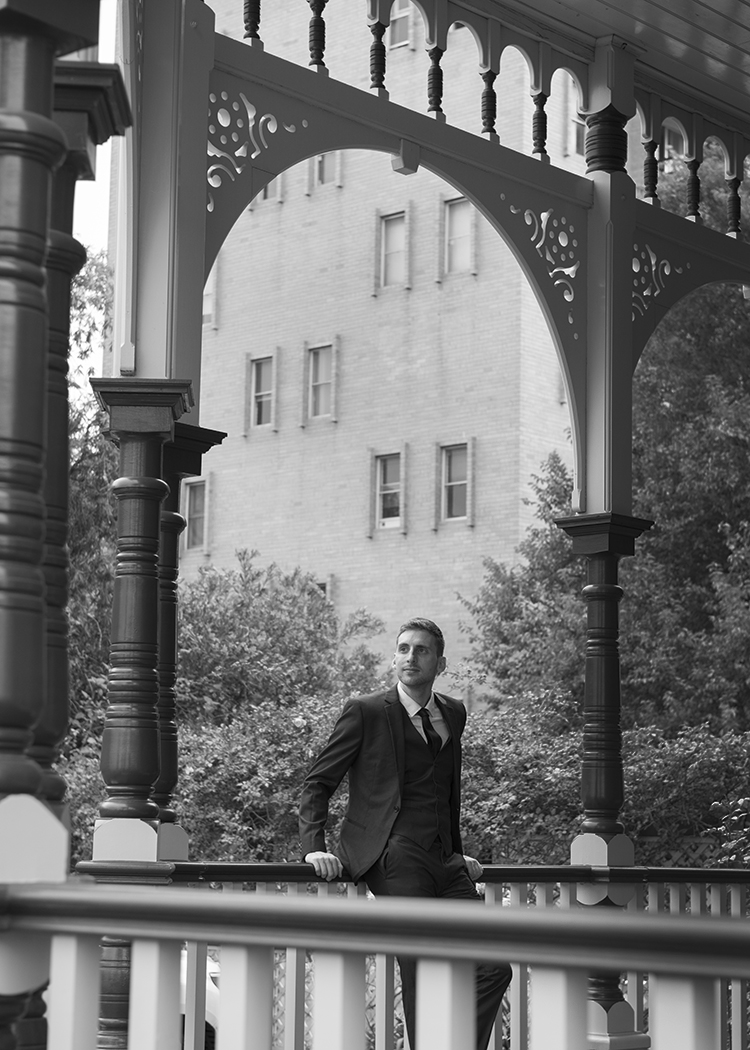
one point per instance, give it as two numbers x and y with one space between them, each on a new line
405 869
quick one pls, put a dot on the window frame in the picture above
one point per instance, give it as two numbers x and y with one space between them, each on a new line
382 217
314 182
188 486
375 518
441 450
449 203
251 392
307 373
400 17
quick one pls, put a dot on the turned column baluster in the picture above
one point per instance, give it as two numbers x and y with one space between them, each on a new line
651 172
733 207
252 19
435 83
489 104
693 191
142 414
317 34
182 458
539 126
606 141
377 58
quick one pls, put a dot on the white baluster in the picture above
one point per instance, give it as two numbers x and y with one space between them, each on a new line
384 1001
738 904
246 1001
154 1016
339 1001
73 1011
195 996
682 1013
558 1009
445 1005
294 988
635 978
518 993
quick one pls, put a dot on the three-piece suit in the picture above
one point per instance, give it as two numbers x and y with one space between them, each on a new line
401 830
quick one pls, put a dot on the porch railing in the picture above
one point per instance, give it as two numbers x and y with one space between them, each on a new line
685 955
533 890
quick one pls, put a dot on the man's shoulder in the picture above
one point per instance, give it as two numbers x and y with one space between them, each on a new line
374 701
450 701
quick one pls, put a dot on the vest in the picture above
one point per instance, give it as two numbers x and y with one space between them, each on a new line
425 803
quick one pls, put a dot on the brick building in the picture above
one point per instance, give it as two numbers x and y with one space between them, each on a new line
365 443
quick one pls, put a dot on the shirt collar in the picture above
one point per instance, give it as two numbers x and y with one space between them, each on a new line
412 707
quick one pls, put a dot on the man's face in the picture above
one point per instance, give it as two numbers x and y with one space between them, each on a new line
416 660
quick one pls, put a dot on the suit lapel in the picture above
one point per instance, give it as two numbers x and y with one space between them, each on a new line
451 718
396 726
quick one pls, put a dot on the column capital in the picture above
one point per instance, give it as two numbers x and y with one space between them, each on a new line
183 454
90 106
73 24
143 406
604 533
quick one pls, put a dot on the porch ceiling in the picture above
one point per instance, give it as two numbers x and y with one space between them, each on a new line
702 46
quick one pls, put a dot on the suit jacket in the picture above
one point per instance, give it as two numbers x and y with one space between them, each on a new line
367 742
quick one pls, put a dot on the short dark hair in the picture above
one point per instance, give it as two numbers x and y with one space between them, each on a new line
419 623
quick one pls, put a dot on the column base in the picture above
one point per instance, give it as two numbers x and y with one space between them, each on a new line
614 1028
43 853
599 852
122 838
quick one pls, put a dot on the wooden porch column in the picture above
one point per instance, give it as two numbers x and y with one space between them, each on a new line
183 457
142 415
603 539
31 147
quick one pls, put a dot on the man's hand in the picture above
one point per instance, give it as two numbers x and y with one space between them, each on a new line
327 865
473 867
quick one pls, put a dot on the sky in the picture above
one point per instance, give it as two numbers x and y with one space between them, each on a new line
90 217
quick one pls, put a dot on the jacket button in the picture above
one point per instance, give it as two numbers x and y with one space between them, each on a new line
397 808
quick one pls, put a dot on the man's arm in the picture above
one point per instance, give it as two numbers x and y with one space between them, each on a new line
327 772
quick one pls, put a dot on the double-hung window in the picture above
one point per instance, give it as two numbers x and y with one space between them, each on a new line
195 504
398 35
455 482
393 250
388 493
262 391
457 256
321 381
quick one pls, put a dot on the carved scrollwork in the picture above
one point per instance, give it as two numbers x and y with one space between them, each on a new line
236 136
556 244
649 277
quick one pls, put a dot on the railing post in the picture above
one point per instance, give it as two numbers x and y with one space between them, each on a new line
682 1013
339 1002
604 539
558 1009
446 1012
142 416
182 458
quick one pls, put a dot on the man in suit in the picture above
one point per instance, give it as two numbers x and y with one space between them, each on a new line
402 751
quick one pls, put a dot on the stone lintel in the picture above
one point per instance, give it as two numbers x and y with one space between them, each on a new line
604 533
97 91
73 24
183 454
143 406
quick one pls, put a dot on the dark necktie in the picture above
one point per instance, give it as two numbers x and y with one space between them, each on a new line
433 737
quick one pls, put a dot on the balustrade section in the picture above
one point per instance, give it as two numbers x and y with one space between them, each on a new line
541 893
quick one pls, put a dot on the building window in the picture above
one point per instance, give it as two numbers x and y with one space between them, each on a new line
455 481
325 168
270 191
398 35
388 495
262 392
458 222
321 381
209 297
393 250
195 514
579 136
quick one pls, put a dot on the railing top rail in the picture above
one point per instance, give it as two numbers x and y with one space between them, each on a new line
599 939
212 871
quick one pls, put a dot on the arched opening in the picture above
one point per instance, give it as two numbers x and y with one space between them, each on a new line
388 383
